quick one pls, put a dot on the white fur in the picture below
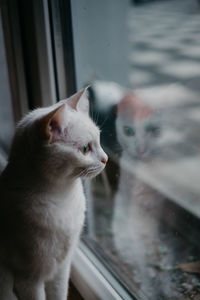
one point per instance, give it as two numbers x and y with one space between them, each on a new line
47 176
135 231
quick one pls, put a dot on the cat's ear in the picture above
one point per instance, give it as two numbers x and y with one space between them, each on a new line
54 123
79 101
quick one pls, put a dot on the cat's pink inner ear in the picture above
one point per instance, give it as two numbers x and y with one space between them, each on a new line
79 101
56 123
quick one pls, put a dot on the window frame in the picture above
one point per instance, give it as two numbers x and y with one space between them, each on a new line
29 54
14 56
93 280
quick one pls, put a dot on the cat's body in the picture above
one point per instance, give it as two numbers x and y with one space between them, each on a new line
42 201
39 235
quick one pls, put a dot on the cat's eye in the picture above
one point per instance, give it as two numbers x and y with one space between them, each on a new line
129 131
86 149
152 129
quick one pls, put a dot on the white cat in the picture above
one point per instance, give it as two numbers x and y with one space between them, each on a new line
42 202
135 231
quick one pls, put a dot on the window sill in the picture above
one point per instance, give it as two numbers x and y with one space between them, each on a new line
89 281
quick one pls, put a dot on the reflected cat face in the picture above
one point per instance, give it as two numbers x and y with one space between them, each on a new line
138 128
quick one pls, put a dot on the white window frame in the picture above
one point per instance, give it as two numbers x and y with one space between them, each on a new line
92 279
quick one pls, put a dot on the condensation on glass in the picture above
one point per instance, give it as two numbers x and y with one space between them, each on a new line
142 59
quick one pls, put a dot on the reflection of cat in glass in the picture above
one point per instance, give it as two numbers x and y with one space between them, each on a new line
135 231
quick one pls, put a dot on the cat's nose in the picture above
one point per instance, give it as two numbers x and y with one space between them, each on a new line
104 160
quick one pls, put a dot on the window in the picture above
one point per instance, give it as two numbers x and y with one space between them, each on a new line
142 62
142 59
6 113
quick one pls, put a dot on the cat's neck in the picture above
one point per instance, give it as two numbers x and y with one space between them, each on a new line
23 176
128 164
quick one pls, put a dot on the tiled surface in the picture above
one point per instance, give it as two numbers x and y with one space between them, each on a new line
145 58
167 95
170 47
165 72
183 69
192 51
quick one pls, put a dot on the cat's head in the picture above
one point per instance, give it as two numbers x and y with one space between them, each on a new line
63 138
138 128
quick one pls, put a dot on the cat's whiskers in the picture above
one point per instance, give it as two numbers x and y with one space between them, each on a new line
79 174
97 118
89 171
101 125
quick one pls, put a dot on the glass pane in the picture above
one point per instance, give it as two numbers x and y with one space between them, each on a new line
142 59
6 114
